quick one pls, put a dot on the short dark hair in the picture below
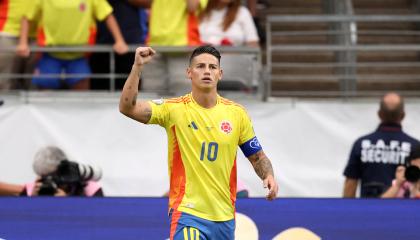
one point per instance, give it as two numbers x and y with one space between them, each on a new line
391 114
205 49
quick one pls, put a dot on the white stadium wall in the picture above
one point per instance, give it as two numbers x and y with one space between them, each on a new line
308 142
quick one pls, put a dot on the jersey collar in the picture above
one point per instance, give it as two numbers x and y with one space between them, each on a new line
390 127
195 103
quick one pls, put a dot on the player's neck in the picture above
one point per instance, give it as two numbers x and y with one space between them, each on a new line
205 99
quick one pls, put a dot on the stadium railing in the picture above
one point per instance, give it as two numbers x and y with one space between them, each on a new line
249 77
349 71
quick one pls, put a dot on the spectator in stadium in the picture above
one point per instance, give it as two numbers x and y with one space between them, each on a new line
11 13
7 189
175 22
171 23
59 177
203 131
253 6
226 22
132 24
375 157
406 187
69 23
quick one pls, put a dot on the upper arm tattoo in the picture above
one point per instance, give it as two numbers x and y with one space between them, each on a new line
143 112
261 164
148 113
134 100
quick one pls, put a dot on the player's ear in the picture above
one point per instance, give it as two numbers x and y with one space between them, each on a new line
221 74
188 71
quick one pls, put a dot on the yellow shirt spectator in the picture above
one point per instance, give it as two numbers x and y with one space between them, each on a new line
171 24
66 22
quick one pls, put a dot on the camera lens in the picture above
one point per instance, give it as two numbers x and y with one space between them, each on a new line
88 172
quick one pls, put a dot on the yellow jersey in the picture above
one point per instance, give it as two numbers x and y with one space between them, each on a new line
68 23
11 13
170 23
202 146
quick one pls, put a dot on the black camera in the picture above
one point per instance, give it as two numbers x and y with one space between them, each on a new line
69 176
412 173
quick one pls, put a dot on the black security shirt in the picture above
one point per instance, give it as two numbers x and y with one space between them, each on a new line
375 157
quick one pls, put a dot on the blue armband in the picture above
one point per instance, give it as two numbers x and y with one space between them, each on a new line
250 147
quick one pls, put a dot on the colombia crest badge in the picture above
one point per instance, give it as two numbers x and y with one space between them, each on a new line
226 126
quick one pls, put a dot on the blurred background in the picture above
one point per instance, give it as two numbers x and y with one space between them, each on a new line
310 73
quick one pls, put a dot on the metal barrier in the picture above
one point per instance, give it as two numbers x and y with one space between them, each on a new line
165 51
345 69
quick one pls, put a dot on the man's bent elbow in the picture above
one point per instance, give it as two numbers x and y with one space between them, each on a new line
126 110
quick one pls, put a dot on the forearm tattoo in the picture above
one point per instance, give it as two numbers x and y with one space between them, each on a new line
261 164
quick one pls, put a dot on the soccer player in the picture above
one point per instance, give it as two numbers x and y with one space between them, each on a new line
203 131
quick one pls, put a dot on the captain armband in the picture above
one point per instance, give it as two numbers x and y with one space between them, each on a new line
250 147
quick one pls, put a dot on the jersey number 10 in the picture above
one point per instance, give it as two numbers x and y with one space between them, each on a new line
212 149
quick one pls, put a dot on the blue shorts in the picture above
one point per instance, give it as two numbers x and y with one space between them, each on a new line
51 65
185 226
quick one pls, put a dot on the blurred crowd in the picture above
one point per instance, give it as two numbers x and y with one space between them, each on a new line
120 23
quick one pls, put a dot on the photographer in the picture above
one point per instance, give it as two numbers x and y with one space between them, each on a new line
407 179
58 176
